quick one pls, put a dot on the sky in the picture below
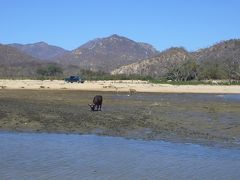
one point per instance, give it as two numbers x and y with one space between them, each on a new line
192 24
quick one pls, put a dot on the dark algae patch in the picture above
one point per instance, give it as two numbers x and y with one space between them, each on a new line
201 118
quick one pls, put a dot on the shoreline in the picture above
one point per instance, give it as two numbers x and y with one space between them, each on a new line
189 140
131 86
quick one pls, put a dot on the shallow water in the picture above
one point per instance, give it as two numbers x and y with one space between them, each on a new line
232 97
60 156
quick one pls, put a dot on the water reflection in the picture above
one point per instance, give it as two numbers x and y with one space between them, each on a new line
58 156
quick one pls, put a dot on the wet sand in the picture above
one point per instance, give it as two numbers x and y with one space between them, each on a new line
116 86
200 118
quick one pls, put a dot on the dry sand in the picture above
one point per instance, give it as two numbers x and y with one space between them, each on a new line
117 86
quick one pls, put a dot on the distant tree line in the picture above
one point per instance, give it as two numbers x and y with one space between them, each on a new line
187 70
50 70
191 70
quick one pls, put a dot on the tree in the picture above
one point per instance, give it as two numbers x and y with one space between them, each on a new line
183 71
50 70
232 69
212 70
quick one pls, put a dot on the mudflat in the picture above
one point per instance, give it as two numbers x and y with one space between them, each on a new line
201 118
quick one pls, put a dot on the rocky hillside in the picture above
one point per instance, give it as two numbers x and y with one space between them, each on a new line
13 57
108 53
156 66
226 51
40 50
16 63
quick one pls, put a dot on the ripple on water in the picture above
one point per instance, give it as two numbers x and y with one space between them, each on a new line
54 156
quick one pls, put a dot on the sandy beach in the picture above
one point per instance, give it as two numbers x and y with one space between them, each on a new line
116 86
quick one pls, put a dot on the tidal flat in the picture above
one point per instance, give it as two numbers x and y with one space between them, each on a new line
196 118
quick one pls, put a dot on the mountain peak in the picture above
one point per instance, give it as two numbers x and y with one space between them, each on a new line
173 50
115 36
42 43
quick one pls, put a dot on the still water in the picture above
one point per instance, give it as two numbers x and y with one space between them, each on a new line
60 156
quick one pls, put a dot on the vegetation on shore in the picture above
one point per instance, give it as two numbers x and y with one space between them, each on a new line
101 76
186 73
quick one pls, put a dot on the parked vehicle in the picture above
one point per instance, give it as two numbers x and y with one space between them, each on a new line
72 79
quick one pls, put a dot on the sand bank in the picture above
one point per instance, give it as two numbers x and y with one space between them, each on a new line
116 86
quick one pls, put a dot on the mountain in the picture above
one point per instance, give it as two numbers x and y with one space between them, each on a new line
108 53
40 50
225 52
156 66
16 63
13 57
220 61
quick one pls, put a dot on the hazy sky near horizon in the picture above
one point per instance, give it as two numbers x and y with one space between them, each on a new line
192 24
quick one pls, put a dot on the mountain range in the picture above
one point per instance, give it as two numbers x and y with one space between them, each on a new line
115 54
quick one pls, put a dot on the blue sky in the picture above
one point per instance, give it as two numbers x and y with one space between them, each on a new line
163 23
